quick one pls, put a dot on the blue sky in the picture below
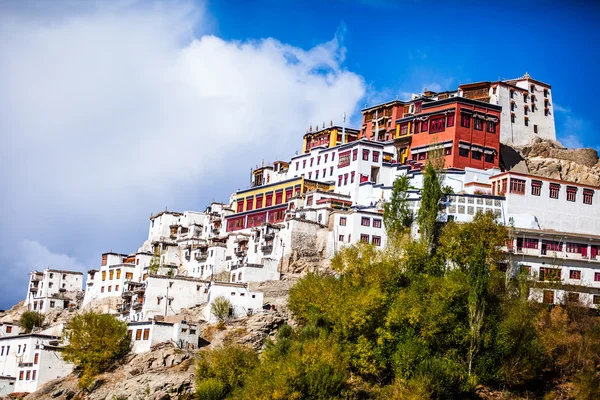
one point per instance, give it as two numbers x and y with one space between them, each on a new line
113 110
403 46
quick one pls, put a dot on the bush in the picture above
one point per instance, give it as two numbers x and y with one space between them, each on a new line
93 343
221 308
30 320
210 389
222 370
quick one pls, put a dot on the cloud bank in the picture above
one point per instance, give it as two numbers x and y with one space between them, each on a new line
110 113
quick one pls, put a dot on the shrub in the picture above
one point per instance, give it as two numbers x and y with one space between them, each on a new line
30 320
210 389
220 308
222 370
93 343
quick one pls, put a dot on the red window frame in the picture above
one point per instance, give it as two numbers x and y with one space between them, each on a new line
450 120
259 201
375 156
365 155
536 188
376 223
269 199
352 174
437 125
376 240
554 190
364 238
571 193
345 179
517 186
575 274
342 221
424 126
279 197
478 124
365 221
249 203
588 195
491 127
354 154
465 120
288 193
240 205
340 180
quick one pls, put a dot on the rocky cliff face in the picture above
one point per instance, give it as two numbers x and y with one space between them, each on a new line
550 159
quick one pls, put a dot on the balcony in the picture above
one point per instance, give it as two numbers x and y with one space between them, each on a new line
126 294
215 231
139 289
268 248
269 236
201 256
240 252
137 306
33 289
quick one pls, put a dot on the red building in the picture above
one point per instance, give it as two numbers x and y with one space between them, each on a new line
378 122
465 131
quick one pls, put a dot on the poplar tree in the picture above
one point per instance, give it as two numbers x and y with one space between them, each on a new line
431 194
397 217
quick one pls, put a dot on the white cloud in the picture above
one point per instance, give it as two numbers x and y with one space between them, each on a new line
35 256
109 113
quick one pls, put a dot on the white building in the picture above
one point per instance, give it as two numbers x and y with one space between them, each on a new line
31 360
243 301
527 107
52 289
105 285
146 334
9 329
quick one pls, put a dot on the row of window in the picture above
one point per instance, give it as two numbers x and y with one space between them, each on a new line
572 297
554 274
517 186
345 178
365 221
310 174
476 155
375 240
30 376
268 198
109 288
117 272
465 122
551 245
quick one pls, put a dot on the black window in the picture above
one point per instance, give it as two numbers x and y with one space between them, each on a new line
476 155
489 158
478 124
463 152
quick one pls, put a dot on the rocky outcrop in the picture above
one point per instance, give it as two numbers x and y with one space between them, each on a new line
164 373
550 159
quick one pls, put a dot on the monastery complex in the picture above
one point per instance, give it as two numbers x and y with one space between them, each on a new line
331 195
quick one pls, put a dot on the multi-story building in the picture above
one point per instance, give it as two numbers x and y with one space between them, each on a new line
52 289
556 238
527 107
29 361
328 137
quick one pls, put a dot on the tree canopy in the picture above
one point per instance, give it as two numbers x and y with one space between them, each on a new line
93 342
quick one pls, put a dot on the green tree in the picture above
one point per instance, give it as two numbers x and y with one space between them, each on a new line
30 320
93 343
221 308
223 370
431 194
154 265
475 248
396 215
